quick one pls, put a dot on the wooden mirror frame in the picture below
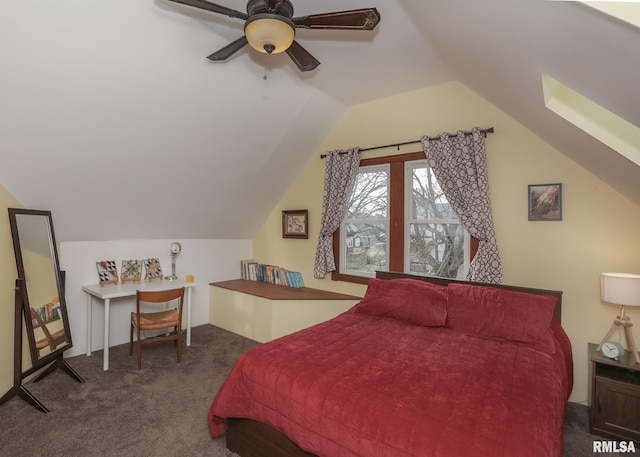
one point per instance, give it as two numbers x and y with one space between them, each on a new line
20 238
23 312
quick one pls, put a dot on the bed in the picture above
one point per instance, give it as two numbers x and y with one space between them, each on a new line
420 367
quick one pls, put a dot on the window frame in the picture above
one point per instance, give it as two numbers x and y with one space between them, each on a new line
396 245
341 262
409 166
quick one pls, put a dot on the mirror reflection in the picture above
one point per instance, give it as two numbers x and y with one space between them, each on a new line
36 257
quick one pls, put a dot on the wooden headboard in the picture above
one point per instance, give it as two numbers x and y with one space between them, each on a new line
557 312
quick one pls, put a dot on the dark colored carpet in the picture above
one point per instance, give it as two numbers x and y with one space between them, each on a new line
158 411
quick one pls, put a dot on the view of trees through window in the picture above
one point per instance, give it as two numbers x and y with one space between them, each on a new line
366 224
436 235
434 239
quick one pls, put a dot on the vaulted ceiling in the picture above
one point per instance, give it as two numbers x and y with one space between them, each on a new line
110 112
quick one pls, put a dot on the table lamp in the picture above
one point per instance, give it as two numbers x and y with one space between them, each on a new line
621 289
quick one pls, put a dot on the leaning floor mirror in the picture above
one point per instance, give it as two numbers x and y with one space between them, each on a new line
40 300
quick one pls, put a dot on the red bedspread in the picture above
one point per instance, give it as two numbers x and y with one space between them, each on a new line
367 386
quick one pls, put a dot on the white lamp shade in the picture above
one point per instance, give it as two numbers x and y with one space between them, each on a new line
620 288
264 31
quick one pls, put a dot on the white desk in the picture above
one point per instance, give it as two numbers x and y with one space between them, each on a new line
128 289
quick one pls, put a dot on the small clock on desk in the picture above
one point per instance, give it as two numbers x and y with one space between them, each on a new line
175 248
612 350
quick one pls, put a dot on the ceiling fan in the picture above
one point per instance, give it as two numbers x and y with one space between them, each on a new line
270 27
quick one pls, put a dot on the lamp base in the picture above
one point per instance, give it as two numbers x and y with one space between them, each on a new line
171 277
625 322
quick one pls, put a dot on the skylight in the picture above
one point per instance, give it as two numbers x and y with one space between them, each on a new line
628 11
600 123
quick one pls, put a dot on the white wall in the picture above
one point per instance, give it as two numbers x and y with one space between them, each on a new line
208 260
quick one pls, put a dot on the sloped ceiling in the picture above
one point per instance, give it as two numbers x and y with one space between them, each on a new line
112 118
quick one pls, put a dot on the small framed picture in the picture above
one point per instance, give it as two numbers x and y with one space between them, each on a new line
107 272
295 224
131 270
545 202
153 269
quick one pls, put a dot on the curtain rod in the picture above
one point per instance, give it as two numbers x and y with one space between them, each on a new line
397 145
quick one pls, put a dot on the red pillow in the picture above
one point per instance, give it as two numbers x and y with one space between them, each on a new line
505 314
404 299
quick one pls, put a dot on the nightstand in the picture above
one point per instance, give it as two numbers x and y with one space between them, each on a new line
615 396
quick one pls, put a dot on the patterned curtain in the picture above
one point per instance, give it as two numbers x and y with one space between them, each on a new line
459 163
339 178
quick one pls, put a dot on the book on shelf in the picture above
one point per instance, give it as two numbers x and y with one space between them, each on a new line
272 274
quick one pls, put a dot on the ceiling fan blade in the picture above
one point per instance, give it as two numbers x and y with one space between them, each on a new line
229 49
301 57
362 19
202 4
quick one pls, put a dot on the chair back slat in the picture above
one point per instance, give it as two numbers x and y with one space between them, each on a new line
160 296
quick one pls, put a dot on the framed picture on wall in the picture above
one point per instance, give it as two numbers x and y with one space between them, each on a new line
295 224
545 202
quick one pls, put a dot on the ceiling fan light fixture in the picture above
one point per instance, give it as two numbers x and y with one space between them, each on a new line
269 33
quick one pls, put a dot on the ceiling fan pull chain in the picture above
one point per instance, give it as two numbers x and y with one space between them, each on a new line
266 61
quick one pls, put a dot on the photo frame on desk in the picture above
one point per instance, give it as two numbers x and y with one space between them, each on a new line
153 270
131 270
107 272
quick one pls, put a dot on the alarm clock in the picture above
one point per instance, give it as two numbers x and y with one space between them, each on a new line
612 350
176 247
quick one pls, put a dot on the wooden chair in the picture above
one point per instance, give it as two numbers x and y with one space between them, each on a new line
50 340
165 319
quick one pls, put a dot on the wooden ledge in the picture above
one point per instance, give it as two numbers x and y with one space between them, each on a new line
274 292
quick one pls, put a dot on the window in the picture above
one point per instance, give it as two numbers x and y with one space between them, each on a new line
594 119
435 240
398 219
365 229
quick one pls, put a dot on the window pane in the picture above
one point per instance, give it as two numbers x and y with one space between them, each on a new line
365 247
428 200
437 250
370 195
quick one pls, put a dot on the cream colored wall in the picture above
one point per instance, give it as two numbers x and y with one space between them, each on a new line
44 289
8 275
263 319
40 292
597 232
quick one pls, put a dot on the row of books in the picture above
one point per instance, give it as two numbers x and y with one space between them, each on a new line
48 312
254 271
